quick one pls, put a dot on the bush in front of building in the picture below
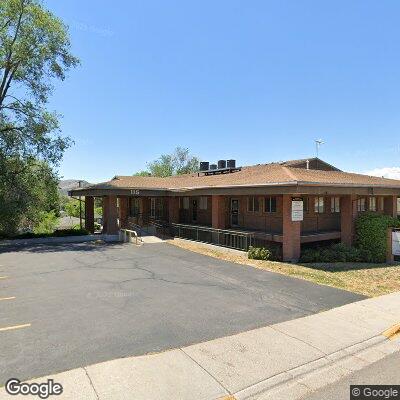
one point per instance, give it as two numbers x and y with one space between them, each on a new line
56 233
259 253
270 251
337 252
371 235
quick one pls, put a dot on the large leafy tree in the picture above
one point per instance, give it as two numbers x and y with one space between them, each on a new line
179 162
34 51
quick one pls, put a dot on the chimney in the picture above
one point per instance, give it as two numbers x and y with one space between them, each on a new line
308 164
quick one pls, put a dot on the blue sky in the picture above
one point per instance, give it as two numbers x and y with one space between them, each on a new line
253 80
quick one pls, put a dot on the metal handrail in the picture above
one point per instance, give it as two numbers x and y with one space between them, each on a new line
126 234
203 227
222 237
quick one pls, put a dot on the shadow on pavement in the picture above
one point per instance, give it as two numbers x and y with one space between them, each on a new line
58 247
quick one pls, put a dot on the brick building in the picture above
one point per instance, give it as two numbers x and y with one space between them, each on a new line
260 201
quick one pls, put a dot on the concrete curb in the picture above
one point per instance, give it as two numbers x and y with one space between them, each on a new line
303 380
288 360
62 239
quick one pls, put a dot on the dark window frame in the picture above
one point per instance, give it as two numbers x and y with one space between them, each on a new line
270 204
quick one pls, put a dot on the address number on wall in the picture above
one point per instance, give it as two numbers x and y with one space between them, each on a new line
135 191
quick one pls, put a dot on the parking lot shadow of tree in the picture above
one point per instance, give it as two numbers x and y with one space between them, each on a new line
58 247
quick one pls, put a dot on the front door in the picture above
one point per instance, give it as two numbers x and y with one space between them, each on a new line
194 211
234 212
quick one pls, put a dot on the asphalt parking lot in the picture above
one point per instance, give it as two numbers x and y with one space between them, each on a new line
66 306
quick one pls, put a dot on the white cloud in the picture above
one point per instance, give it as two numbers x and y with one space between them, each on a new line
386 172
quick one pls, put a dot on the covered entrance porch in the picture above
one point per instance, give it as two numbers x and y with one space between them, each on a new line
248 220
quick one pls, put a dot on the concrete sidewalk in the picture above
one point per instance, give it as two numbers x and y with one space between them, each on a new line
283 361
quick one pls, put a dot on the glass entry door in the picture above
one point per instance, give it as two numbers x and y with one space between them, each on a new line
194 210
234 212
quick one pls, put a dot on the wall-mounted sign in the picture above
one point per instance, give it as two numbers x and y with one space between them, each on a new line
297 209
396 243
135 191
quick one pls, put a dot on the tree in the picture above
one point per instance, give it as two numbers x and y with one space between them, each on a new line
34 50
177 163
26 196
72 208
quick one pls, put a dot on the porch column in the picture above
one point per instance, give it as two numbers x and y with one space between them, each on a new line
390 206
123 211
173 210
89 213
291 232
218 212
110 215
348 215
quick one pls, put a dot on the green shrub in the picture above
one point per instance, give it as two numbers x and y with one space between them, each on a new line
311 255
371 235
259 253
56 233
46 222
337 252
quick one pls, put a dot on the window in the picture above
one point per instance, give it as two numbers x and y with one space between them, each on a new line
134 207
203 203
270 204
253 204
152 207
185 203
159 208
306 204
361 204
382 204
372 203
335 204
398 206
319 205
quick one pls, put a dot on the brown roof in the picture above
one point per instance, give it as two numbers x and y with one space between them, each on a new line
257 175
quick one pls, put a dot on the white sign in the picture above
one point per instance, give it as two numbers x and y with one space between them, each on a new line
396 243
297 210
135 191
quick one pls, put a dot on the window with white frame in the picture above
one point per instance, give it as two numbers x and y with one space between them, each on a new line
361 204
253 204
372 204
153 207
319 204
270 204
203 203
335 204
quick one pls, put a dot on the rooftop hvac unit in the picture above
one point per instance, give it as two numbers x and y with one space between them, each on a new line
213 166
231 163
204 166
221 164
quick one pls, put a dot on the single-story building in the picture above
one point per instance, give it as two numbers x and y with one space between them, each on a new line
291 202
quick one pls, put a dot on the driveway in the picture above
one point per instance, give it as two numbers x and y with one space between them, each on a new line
73 305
